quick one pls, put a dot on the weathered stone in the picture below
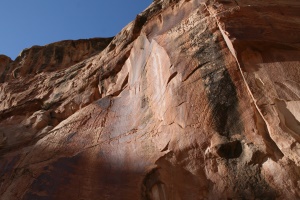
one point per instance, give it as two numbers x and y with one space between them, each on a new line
52 57
194 99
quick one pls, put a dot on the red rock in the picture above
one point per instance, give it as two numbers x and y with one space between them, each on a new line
192 100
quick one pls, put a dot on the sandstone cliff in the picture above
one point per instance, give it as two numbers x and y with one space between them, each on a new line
194 99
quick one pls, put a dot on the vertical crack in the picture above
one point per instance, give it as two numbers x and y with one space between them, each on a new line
232 50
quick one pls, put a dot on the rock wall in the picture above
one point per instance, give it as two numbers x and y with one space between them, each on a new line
52 57
194 99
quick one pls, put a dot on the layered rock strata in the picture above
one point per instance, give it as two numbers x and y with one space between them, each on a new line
194 99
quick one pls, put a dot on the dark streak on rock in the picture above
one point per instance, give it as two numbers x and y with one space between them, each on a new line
70 136
47 54
221 92
223 99
59 54
35 51
3 75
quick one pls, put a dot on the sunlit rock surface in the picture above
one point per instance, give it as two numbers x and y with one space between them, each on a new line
194 99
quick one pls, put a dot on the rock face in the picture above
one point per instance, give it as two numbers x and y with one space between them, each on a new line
52 57
195 99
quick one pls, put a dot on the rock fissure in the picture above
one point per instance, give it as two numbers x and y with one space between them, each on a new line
192 100
278 154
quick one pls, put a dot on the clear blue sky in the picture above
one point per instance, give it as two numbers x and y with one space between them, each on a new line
24 23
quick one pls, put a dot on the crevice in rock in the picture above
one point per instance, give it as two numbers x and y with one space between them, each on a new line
278 154
171 77
115 66
139 22
258 158
194 70
153 188
180 104
166 147
230 150
29 106
125 82
123 86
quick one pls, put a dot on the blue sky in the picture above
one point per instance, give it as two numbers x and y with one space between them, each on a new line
39 22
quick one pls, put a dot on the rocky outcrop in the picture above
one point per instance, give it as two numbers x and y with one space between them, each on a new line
4 63
52 57
36 95
192 100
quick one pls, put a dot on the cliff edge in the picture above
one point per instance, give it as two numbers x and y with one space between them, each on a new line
194 99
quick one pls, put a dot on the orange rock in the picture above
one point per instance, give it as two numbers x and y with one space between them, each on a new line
192 100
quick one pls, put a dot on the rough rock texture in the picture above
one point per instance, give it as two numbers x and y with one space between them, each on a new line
52 57
194 99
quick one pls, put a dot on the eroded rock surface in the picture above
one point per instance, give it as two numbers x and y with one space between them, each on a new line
192 100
